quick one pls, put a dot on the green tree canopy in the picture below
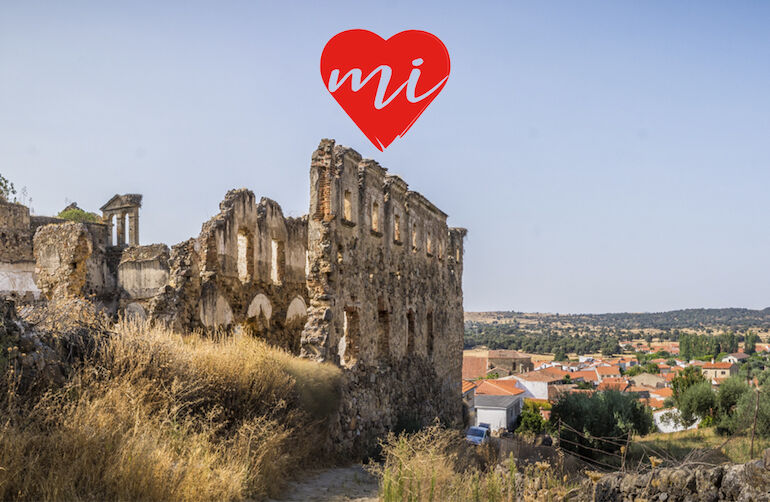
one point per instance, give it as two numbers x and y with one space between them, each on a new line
686 378
609 414
697 401
77 214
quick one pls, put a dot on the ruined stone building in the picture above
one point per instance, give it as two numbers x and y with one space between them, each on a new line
370 280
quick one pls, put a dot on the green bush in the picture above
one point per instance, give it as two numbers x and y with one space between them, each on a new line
609 414
77 214
743 417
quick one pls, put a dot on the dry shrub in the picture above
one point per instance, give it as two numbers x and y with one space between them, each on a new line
437 464
154 415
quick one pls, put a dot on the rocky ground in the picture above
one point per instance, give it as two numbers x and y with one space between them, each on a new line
343 484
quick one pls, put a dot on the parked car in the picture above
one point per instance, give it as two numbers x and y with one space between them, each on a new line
477 435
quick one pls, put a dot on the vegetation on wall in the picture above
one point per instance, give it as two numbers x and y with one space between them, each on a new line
77 214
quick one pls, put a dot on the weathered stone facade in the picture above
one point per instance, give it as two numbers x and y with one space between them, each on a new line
385 283
370 280
17 263
71 260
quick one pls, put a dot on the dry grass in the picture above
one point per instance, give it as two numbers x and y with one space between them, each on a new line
697 445
436 464
158 416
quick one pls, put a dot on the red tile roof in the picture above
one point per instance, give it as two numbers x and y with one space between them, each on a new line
717 366
468 386
474 366
553 370
663 392
498 388
613 384
607 370
587 375
653 403
539 376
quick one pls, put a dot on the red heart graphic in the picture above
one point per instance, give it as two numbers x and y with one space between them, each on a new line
384 85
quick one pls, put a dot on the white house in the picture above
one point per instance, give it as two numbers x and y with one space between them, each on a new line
667 421
735 358
536 383
500 412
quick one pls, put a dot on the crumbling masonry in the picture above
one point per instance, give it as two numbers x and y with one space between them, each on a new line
370 279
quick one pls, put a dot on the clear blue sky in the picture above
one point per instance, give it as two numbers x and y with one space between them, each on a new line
605 156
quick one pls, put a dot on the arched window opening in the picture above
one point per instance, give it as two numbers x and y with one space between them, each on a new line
375 217
397 228
350 341
429 245
414 238
347 207
245 256
278 262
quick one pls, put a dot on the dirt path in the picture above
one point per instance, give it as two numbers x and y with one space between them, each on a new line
343 484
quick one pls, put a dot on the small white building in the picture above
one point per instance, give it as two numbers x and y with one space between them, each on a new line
667 420
536 383
500 412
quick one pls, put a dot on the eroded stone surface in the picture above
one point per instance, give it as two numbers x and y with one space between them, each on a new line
739 482
370 279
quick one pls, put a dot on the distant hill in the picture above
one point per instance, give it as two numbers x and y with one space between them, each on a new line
589 333
736 319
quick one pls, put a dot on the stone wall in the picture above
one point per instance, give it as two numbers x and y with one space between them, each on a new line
370 279
246 268
72 260
385 284
749 481
17 263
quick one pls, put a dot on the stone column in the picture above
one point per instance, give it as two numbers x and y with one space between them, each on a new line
133 227
121 216
107 218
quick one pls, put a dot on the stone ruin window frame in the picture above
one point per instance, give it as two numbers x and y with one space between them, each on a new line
245 255
384 329
375 219
428 244
351 335
347 208
397 229
277 261
410 331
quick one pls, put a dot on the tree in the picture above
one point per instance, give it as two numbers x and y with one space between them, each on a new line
750 343
729 395
530 422
610 347
609 414
6 189
744 413
697 401
686 378
559 355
